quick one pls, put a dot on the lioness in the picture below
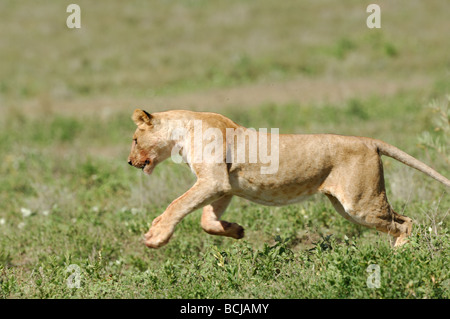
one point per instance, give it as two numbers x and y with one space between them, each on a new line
347 169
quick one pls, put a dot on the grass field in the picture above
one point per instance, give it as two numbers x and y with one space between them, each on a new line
68 196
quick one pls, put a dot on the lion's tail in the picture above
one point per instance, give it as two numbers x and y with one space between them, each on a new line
399 155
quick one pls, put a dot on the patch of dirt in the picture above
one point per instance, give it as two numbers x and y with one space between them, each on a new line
301 90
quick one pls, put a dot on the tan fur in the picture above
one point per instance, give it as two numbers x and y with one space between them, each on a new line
347 169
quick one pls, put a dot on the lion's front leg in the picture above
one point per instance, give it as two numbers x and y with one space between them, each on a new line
163 226
212 224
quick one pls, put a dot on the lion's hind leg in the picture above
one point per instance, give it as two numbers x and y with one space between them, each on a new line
371 209
396 225
361 196
405 223
211 223
376 213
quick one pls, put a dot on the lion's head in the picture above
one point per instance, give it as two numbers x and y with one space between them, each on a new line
150 145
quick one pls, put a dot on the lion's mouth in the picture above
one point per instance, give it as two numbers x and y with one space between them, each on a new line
148 167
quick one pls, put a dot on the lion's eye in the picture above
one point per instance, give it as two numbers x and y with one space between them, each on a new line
135 141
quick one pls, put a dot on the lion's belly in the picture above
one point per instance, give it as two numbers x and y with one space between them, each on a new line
297 178
273 194
272 199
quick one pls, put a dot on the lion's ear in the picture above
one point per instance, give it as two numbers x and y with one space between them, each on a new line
141 117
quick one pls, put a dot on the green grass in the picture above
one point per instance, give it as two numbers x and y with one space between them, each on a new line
68 197
89 208
334 267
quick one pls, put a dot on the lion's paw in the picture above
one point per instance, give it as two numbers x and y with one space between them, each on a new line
157 237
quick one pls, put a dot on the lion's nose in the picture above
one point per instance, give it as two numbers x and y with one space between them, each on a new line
129 162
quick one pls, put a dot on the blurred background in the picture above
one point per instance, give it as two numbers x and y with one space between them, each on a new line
67 95
214 54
